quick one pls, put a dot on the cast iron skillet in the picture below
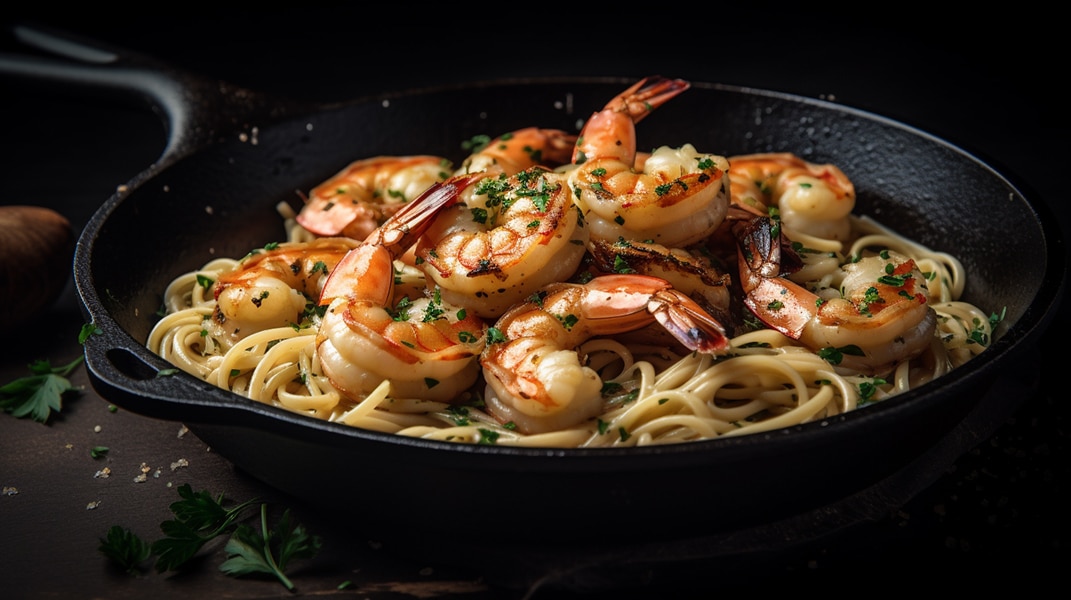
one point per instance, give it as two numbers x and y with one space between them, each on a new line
234 154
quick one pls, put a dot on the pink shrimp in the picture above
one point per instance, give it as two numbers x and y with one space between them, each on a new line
367 192
273 287
879 316
673 196
813 199
425 347
534 375
359 198
504 240
513 152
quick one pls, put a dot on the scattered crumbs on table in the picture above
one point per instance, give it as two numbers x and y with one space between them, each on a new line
96 429
156 473
183 430
178 464
69 446
144 473
103 473
9 490
93 505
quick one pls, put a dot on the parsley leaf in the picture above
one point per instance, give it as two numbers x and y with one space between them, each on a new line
268 551
125 549
199 519
39 395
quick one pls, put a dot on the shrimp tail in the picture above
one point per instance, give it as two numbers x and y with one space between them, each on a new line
763 258
405 226
688 322
392 239
646 95
612 129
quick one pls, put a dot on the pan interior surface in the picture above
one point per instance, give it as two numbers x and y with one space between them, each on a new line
221 202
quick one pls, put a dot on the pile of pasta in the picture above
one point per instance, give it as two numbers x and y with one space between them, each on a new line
767 381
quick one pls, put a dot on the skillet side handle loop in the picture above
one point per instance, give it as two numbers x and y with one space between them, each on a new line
196 110
145 384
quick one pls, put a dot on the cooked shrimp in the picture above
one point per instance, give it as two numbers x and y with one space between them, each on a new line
359 198
518 150
425 347
276 286
692 272
813 199
674 196
880 314
509 237
535 377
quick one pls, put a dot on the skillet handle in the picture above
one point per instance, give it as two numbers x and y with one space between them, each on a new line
134 378
196 110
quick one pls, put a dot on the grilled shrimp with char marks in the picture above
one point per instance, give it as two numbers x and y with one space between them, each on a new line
672 196
424 346
507 238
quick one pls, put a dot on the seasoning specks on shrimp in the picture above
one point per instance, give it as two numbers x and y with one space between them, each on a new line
518 150
273 287
674 196
535 378
601 269
812 199
424 346
360 197
509 237
877 315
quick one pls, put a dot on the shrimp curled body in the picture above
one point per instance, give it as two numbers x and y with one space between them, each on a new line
509 237
534 374
880 315
673 196
518 150
362 196
273 287
425 347
813 199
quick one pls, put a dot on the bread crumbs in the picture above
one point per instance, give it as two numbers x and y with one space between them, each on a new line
93 505
10 490
144 474
103 473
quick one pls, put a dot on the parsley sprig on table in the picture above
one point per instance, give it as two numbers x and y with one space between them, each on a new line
268 551
41 393
200 518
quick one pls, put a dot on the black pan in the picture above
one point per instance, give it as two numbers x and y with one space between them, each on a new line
234 154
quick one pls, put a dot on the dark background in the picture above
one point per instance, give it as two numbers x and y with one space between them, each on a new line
997 515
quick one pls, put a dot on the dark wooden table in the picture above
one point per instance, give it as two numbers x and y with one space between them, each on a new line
990 506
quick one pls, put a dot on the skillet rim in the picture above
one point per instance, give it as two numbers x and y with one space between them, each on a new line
1010 342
